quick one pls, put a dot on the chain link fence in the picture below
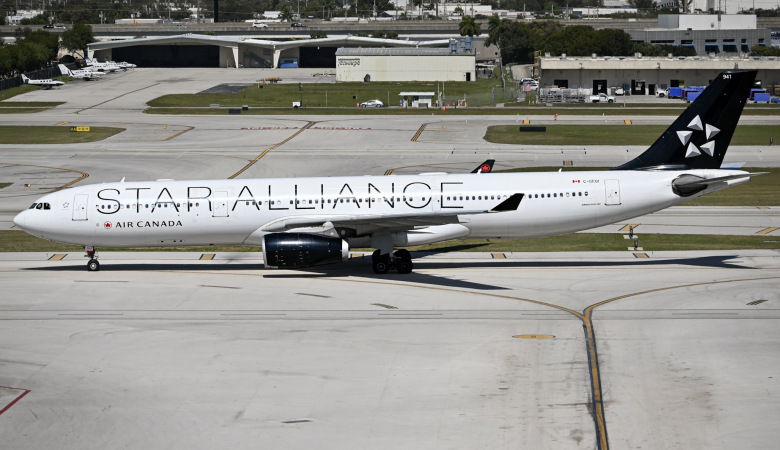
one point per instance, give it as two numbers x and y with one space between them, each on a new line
49 72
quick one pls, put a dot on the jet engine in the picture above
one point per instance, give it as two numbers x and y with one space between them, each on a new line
299 250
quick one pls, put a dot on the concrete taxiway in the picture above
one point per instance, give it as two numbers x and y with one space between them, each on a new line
470 351
473 350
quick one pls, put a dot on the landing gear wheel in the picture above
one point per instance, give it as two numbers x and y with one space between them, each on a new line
381 265
93 265
404 265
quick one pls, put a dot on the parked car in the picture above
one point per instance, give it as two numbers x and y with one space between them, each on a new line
372 104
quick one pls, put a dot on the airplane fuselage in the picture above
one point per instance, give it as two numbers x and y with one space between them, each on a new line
222 212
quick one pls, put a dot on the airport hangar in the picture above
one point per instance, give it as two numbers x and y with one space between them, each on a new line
384 59
644 75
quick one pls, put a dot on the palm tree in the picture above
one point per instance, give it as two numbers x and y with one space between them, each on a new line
469 27
286 15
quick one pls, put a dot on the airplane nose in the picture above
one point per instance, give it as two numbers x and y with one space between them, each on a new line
21 219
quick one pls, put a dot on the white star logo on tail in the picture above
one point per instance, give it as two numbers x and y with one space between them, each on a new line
696 125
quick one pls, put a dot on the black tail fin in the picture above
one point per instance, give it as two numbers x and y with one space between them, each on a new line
485 167
699 138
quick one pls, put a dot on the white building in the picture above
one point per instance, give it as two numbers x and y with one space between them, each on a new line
404 64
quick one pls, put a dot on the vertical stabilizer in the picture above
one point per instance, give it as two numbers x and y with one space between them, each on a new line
699 138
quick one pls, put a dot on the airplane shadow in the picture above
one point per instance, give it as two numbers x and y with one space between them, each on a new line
362 268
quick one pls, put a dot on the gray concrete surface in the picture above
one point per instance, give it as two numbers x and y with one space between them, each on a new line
163 350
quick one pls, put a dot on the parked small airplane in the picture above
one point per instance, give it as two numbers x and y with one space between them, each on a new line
304 222
86 75
47 83
108 66
124 65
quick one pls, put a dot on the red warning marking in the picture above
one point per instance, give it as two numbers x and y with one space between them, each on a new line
339 128
269 128
13 402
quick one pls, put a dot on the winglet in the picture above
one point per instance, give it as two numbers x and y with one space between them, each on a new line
485 167
509 204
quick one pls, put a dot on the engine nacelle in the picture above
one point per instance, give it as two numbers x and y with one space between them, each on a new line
299 250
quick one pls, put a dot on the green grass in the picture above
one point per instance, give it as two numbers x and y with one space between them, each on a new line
577 242
613 135
759 191
30 104
4 185
20 110
19 241
54 135
324 94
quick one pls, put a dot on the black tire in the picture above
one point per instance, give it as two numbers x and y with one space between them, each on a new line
404 266
375 256
93 265
381 266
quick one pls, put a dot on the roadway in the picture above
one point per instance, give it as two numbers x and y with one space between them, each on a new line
191 350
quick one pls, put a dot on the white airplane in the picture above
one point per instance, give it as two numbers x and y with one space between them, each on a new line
108 66
124 65
47 83
86 75
303 222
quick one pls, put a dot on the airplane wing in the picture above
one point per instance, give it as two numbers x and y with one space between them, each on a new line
364 224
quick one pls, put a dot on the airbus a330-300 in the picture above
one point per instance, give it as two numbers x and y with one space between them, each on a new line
304 222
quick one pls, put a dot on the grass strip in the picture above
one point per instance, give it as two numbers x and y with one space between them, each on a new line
613 135
19 241
54 134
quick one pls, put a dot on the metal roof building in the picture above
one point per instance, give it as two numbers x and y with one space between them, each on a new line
643 75
198 50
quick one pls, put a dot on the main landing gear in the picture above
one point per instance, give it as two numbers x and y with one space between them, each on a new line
401 260
93 265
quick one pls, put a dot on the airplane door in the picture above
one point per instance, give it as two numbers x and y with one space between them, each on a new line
220 204
80 207
613 192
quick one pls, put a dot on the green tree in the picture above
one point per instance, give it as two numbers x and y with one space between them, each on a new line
469 27
643 5
49 41
77 38
286 14
760 50
319 34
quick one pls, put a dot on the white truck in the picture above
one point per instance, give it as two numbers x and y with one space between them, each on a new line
602 98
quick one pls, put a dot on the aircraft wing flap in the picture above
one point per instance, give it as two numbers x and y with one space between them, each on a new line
394 221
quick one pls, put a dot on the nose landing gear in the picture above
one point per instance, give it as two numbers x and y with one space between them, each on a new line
93 265
401 260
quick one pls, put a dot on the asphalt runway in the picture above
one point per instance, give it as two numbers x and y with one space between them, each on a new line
473 350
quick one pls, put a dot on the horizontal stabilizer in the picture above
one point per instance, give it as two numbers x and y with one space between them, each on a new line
690 181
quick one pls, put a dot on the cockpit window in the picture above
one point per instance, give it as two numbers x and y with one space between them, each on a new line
40 206
46 206
33 206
